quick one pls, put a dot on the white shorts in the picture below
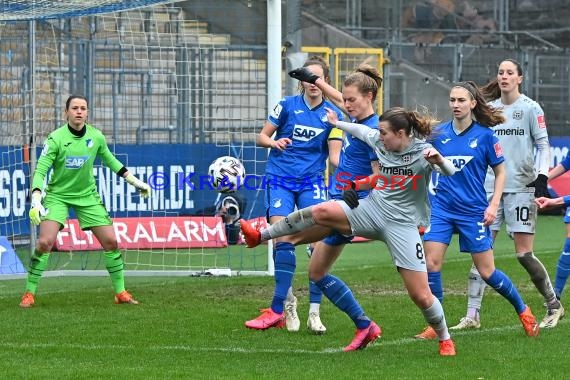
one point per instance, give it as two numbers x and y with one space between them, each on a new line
518 211
403 239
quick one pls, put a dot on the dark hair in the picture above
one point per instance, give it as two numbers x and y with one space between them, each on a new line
68 101
484 113
366 78
412 122
491 90
317 61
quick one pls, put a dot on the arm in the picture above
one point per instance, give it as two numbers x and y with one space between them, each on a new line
500 177
544 202
556 172
543 147
47 157
442 164
335 146
265 139
359 131
304 75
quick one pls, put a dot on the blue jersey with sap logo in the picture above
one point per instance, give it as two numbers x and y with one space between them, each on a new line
354 162
472 152
309 130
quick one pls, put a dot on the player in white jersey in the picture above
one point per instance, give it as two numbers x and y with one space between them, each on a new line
460 204
524 128
357 160
391 213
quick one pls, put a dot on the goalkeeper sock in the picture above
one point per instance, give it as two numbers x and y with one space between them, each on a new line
115 267
341 296
38 263
285 264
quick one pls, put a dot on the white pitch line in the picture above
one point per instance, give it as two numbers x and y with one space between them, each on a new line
379 343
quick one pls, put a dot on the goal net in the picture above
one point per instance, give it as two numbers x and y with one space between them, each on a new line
169 95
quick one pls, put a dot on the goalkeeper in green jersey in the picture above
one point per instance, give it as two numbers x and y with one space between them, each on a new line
70 151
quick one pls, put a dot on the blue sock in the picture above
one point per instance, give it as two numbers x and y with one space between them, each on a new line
315 294
341 296
562 270
285 263
434 281
505 287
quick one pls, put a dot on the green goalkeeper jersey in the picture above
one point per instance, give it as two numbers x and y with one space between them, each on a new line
72 158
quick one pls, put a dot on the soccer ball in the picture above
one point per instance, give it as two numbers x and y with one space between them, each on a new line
226 173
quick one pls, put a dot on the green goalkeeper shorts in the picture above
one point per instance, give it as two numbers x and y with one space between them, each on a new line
90 210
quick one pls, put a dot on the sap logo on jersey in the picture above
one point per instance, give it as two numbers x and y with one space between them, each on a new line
459 161
304 133
75 162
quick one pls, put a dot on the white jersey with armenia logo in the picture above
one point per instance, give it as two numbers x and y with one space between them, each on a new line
401 189
524 125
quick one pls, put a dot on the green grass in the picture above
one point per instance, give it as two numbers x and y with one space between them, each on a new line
193 327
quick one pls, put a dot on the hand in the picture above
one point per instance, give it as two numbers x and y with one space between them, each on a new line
304 75
350 196
432 156
37 210
143 188
540 185
332 117
282 143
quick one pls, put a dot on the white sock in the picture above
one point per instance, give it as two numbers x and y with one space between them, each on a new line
315 308
436 319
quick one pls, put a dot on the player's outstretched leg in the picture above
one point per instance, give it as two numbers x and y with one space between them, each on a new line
251 235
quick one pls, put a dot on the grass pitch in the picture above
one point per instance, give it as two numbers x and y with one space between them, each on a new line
192 328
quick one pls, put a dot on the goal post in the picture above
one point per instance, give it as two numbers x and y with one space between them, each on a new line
169 95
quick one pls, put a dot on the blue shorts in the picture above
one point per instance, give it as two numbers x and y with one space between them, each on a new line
474 237
336 239
282 197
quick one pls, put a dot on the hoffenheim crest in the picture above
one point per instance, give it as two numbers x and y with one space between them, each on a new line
473 143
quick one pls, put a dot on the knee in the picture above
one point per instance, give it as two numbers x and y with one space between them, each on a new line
433 263
109 244
45 244
316 274
423 300
320 213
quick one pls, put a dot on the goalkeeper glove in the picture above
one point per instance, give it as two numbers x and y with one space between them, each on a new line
142 187
37 210
350 196
304 75
540 185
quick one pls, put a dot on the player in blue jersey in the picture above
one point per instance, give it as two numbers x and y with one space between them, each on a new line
523 130
357 159
397 202
563 265
294 178
460 202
